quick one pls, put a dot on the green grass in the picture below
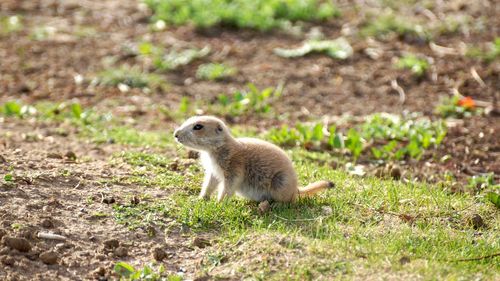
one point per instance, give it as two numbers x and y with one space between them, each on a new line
363 226
260 14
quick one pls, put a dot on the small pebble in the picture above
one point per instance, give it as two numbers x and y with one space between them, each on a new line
121 252
111 243
159 254
20 244
49 257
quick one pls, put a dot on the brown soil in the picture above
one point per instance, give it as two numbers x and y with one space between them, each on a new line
54 197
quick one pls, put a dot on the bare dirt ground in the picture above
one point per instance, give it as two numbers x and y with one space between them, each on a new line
54 197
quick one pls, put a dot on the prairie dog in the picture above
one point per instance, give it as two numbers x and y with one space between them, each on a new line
252 168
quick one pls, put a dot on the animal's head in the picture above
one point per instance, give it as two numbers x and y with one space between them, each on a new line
202 133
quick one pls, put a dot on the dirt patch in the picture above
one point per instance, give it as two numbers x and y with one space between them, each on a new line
50 195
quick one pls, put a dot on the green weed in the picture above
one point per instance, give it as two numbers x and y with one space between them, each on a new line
259 14
418 66
167 61
131 77
251 101
214 71
148 272
457 106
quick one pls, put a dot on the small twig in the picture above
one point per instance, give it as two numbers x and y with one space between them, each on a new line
50 236
441 50
476 77
395 86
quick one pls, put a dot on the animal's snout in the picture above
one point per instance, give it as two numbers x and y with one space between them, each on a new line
176 134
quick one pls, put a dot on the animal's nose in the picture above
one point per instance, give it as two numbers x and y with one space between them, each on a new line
176 134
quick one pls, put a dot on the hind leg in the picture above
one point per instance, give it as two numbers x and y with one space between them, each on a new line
283 187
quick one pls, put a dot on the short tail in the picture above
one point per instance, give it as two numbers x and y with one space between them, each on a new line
314 188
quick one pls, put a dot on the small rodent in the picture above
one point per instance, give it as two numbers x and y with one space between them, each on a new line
252 168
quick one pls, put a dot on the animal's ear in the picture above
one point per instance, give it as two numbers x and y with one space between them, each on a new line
219 129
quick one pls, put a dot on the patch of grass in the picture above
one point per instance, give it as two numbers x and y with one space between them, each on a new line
417 65
130 77
385 25
101 128
10 24
171 60
489 54
371 224
482 182
338 49
215 71
259 14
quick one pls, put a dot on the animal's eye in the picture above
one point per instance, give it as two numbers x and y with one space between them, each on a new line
198 127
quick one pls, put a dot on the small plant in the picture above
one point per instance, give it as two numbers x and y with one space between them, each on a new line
258 14
10 24
14 108
385 25
254 100
489 55
147 273
457 106
387 136
8 177
418 66
167 61
131 77
338 48
301 134
214 71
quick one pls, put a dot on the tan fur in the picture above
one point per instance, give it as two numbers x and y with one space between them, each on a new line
252 168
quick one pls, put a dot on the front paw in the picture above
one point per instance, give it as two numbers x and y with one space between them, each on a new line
204 197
